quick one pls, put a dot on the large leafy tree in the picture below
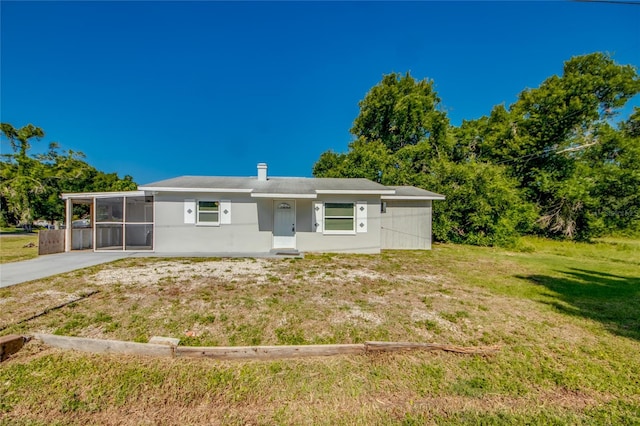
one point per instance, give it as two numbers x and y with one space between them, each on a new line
553 159
404 139
546 138
401 111
30 185
21 176
612 165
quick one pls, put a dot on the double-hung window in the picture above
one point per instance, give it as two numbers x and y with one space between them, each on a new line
208 213
339 218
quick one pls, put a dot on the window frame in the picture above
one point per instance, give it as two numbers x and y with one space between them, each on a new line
198 212
353 218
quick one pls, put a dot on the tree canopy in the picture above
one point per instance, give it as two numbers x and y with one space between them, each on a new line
554 162
30 185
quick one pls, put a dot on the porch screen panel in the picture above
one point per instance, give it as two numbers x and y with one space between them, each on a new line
124 223
109 236
139 209
139 237
109 209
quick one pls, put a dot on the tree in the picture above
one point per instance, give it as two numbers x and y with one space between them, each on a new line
553 159
21 176
483 206
30 185
401 111
403 140
366 159
613 168
546 135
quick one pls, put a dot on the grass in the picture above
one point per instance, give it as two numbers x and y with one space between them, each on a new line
19 246
566 316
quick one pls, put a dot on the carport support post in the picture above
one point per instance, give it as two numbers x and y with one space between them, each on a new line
67 221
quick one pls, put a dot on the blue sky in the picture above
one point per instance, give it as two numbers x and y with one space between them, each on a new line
162 89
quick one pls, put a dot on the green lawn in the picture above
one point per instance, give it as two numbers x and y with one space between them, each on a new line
566 317
18 246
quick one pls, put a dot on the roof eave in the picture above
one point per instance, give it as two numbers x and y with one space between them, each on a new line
176 189
355 191
72 195
281 195
415 197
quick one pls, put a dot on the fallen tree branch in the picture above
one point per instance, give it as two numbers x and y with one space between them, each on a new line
400 346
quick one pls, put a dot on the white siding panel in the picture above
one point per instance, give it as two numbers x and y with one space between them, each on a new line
225 212
406 225
190 211
361 216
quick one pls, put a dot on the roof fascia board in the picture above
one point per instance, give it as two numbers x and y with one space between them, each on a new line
174 189
356 191
68 195
283 196
409 197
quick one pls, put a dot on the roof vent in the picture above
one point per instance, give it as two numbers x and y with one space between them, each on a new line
262 171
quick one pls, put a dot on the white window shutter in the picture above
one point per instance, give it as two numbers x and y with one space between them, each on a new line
190 211
225 212
317 216
361 216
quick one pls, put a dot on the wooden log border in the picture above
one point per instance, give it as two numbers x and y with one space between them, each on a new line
246 352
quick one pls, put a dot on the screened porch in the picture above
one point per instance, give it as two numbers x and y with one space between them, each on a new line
120 221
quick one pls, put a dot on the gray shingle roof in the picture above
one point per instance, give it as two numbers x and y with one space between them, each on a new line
288 186
274 185
413 192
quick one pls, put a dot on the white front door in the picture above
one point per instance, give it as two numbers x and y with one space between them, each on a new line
284 224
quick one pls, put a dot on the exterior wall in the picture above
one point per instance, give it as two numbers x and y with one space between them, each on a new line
251 226
249 231
366 242
406 225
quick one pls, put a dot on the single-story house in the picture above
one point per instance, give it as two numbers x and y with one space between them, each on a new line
209 214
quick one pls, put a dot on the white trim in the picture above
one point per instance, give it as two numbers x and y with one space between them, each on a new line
173 189
325 231
356 191
68 214
94 225
409 197
206 223
71 195
282 196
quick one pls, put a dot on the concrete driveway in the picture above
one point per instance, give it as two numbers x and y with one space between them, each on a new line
53 264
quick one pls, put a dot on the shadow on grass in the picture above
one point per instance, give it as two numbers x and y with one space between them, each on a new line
613 300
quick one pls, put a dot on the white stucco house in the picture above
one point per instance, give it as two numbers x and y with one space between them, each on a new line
209 214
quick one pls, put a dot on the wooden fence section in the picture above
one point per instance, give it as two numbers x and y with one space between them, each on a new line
247 352
51 241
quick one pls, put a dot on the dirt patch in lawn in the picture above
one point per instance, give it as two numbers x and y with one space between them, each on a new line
270 301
